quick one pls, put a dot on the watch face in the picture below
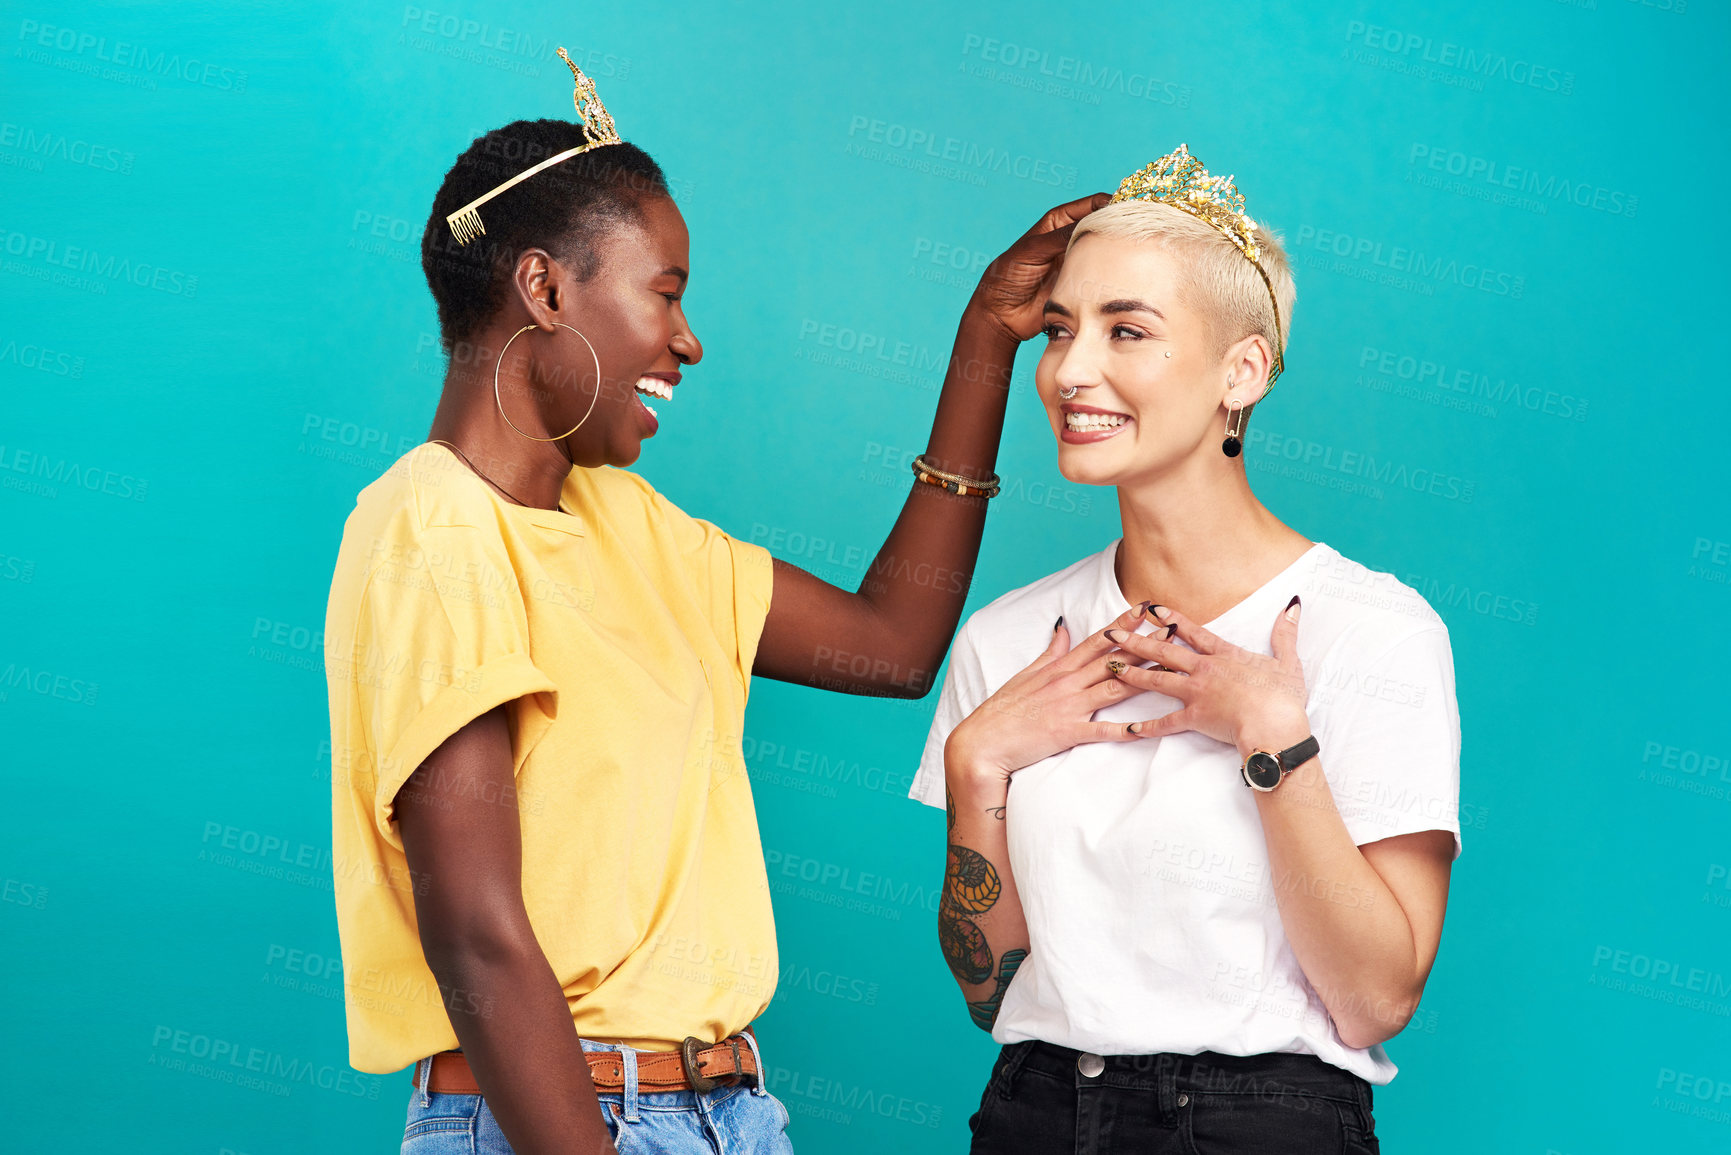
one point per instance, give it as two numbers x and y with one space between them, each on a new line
1263 770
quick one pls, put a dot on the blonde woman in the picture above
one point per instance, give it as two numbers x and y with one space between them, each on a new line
1198 859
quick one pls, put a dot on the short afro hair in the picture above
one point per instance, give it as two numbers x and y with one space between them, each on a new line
564 209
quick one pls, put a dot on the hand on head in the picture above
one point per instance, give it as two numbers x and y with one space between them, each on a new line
1015 285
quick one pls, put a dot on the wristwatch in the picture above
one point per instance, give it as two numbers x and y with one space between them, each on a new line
1264 771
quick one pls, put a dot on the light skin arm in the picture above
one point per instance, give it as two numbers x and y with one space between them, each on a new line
889 636
1364 922
1366 937
981 927
458 818
981 930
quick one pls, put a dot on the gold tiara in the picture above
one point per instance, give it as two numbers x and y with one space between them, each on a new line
1179 179
598 130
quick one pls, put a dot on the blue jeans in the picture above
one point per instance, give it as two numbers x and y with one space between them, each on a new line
730 1120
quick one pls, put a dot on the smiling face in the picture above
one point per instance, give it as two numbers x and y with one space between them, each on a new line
1151 381
631 312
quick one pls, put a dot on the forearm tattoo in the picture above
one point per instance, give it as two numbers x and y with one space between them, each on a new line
971 888
985 1012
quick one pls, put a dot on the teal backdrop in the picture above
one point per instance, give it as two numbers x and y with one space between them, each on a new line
214 332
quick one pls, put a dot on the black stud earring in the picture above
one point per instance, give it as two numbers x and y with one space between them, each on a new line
1234 444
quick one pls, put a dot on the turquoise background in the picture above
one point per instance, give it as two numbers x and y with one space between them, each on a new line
244 340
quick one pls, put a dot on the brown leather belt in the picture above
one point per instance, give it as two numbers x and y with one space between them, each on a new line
693 1067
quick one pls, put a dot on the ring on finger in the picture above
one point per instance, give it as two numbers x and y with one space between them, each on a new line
1116 665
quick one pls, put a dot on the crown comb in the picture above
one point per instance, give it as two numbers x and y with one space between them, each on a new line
598 131
1180 180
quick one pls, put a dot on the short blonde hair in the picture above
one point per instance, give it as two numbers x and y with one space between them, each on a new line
1221 282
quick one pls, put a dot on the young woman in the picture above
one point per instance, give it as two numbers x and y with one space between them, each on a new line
549 885
1210 843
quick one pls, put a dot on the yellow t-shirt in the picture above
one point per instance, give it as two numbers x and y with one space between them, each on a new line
622 633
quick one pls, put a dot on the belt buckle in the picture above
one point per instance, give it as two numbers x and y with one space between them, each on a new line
688 1049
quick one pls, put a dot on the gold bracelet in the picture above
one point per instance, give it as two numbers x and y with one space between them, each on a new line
921 465
955 482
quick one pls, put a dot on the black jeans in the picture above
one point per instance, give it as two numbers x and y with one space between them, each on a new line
1040 1102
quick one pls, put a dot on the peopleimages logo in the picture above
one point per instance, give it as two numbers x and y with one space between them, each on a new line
1480 65
109 265
90 47
864 132
837 1099
1356 464
1675 977
1468 385
464 36
58 146
1066 76
1421 265
259 1068
45 683
1548 186
34 469
42 359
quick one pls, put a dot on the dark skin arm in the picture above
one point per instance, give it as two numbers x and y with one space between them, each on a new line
509 1012
889 637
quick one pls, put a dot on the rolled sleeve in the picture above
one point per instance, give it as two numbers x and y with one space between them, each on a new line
753 583
963 691
453 706
1391 738
428 656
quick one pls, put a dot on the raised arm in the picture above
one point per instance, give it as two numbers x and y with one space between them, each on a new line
509 1012
889 636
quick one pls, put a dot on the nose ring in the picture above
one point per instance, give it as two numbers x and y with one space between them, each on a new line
1066 394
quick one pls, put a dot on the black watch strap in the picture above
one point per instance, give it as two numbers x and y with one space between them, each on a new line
1293 757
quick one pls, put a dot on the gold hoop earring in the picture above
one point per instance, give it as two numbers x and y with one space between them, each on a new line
1234 444
500 401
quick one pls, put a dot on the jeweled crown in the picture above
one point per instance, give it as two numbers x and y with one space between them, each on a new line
598 127
598 130
1180 180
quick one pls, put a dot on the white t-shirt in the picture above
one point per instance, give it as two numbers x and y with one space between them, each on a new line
1142 867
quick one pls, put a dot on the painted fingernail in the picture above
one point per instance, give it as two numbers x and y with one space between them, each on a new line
1134 728
1117 667
1292 608
1162 612
1114 640
1170 630
1058 623
1142 610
